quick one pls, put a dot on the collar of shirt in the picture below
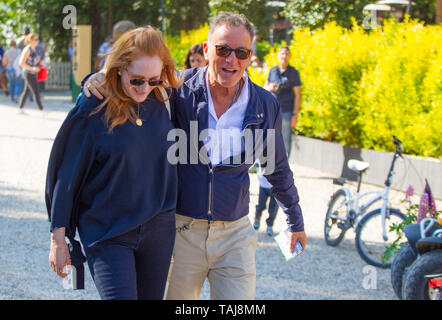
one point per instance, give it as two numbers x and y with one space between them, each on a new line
224 138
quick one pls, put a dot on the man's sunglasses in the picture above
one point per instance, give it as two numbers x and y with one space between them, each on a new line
139 82
225 51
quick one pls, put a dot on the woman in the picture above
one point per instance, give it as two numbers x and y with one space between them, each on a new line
195 57
109 175
29 62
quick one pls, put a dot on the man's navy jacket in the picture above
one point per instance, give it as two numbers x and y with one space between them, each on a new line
221 193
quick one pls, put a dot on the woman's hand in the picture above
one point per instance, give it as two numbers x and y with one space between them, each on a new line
59 253
93 85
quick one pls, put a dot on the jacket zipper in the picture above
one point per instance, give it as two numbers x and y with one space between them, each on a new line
210 196
211 176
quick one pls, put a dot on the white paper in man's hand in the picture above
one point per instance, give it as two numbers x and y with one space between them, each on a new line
283 241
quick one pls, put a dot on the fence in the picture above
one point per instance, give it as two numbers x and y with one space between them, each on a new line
59 75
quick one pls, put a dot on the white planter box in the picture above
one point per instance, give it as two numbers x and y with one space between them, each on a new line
331 158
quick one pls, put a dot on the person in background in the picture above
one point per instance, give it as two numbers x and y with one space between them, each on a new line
21 40
264 194
30 63
105 47
3 81
195 57
71 55
256 64
285 83
8 63
41 50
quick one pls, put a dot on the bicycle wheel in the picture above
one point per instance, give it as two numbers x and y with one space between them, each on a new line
369 241
337 207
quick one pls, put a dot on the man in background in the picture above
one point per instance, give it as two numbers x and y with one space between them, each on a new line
285 83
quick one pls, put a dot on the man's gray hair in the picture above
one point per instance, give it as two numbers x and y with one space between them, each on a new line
233 20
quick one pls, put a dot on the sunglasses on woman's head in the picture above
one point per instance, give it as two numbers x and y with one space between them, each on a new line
139 82
225 51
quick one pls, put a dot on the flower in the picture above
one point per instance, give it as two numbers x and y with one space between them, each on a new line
423 207
409 193
431 202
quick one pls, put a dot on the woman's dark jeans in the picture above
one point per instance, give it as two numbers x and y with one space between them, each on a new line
134 265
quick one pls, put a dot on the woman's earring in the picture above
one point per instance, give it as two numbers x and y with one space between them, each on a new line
119 73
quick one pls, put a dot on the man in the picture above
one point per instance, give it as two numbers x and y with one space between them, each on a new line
284 82
214 238
21 40
104 48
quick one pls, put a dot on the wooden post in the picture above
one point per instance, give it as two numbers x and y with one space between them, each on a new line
438 11
81 60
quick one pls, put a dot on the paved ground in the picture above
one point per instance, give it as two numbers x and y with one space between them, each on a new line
321 272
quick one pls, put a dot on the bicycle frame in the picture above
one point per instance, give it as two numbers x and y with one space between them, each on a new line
361 210
381 195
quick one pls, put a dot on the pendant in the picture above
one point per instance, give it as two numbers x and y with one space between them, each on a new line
139 122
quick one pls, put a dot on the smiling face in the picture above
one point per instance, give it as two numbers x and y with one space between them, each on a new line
227 71
144 68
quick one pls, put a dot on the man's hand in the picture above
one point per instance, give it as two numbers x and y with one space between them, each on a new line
295 237
93 85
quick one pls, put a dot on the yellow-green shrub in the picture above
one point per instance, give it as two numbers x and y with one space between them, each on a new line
179 45
361 88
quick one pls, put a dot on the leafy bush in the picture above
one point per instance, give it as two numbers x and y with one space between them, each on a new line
179 45
359 88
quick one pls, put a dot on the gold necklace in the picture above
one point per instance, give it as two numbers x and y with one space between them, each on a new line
138 121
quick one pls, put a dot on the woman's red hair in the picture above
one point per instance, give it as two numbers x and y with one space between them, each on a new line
135 43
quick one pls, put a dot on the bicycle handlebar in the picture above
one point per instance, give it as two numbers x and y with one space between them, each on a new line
398 144
397 153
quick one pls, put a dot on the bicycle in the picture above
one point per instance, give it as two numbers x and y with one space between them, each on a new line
371 228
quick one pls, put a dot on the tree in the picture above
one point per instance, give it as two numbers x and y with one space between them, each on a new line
257 11
315 13
185 15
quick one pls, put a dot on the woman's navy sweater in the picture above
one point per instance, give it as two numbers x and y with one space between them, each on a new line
105 183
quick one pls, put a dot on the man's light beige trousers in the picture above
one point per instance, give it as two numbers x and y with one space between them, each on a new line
224 253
